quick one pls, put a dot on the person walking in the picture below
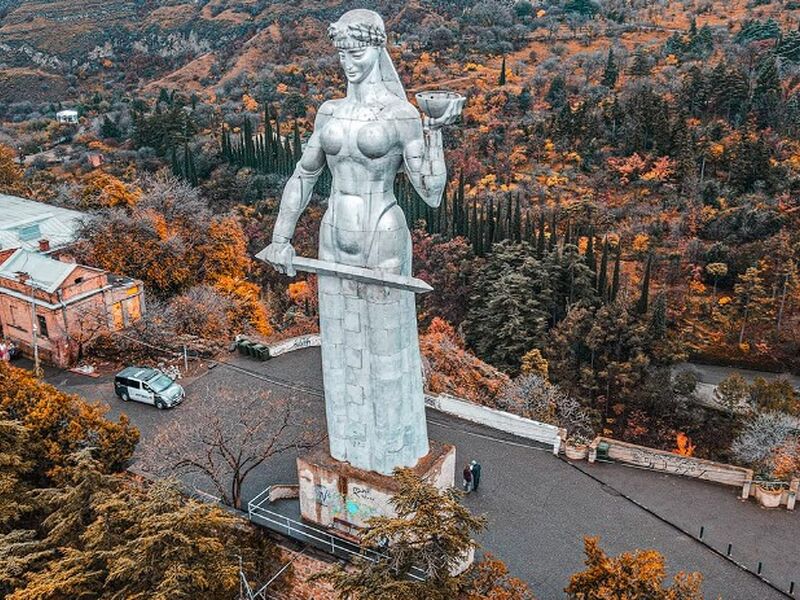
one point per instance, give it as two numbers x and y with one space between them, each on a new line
467 478
475 471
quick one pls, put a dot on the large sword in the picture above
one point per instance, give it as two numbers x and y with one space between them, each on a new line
360 274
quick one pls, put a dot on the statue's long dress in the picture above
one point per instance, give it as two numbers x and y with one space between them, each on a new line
370 351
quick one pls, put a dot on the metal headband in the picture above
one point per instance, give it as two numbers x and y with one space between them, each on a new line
356 35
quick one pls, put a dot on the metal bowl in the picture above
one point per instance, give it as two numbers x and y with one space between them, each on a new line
435 103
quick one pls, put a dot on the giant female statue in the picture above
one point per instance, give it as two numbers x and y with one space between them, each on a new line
370 353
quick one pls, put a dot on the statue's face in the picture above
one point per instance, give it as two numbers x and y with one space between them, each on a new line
358 62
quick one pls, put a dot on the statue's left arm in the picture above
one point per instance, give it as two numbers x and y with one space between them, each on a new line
423 157
423 151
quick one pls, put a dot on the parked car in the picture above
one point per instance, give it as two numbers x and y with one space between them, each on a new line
147 385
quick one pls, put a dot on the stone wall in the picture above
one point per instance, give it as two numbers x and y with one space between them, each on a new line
677 464
498 419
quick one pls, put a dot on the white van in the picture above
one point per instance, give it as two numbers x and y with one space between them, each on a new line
149 386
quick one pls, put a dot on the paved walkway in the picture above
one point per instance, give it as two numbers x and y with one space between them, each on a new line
539 507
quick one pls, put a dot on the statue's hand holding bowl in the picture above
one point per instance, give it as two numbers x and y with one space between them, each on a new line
281 256
440 108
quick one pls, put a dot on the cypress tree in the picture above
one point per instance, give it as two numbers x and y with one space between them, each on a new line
602 276
482 232
642 304
463 225
503 78
591 260
528 226
186 159
297 145
491 224
176 167
658 320
192 172
442 224
540 239
268 141
474 230
517 221
615 278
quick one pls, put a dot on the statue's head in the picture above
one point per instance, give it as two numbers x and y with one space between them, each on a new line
360 37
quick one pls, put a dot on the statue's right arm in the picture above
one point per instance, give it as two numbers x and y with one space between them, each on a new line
295 198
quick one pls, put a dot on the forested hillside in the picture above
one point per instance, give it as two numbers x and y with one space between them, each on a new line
624 182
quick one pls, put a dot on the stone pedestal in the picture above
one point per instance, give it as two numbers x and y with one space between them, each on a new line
337 495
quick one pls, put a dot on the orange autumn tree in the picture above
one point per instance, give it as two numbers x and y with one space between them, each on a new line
102 190
629 576
10 171
225 250
451 369
247 308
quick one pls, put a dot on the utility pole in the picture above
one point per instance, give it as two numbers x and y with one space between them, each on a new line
25 278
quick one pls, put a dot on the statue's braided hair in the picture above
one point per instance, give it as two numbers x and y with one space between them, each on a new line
347 34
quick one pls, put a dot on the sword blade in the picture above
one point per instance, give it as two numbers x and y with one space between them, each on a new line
360 274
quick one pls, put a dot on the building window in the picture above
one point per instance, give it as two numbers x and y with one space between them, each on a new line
42 325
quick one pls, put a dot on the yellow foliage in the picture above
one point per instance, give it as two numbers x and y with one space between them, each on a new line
225 250
61 424
249 103
641 243
671 60
104 190
248 308
697 287
10 171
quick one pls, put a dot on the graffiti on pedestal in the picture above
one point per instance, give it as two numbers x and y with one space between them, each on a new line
360 503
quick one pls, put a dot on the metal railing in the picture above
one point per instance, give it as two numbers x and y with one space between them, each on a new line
315 536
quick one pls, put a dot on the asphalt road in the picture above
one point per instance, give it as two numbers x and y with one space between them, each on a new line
538 506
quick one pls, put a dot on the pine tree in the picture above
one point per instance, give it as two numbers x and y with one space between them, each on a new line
767 92
751 299
641 66
557 93
611 72
431 531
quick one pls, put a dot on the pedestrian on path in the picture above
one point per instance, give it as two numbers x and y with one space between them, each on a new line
475 471
467 479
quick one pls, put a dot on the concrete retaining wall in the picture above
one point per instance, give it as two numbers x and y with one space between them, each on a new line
677 464
498 419
283 491
296 343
